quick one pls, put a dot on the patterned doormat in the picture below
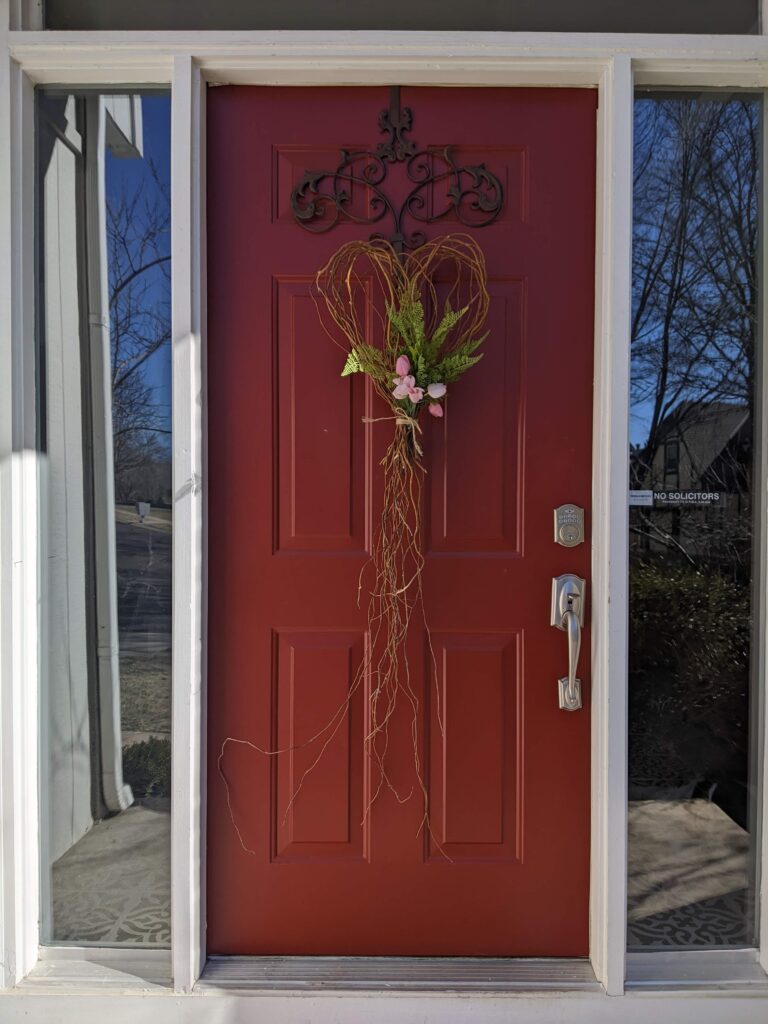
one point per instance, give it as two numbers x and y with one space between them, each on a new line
689 876
113 887
720 921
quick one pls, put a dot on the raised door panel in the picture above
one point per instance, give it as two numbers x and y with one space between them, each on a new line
319 465
475 755
475 482
319 779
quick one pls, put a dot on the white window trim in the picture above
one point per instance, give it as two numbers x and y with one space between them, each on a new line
19 830
187 61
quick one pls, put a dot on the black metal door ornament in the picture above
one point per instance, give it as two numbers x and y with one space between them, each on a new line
322 198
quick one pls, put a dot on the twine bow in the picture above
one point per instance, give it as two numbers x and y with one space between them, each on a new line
402 419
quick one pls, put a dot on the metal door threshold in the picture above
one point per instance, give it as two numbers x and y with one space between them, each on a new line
397 974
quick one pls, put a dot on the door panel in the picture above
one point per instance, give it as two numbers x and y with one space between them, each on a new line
492 523
473 813
314 672
321 473
294 495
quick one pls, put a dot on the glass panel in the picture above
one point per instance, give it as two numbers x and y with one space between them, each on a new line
739 16
692 799
105 368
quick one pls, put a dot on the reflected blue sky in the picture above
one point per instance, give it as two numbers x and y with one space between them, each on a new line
129 176
695 215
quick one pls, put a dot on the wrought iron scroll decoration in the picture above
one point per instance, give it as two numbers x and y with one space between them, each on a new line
321 199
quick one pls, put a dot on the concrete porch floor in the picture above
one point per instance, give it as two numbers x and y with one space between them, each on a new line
688 878
113 886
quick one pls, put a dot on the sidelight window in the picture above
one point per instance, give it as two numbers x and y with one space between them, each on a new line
692 615
104 428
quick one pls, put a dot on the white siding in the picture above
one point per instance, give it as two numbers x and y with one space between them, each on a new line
63 565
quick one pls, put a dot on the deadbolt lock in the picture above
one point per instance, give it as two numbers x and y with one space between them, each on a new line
569 525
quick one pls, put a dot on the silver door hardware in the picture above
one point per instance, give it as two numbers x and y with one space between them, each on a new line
569 525
568 597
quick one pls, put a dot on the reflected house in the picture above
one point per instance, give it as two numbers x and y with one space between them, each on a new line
84 762
703 447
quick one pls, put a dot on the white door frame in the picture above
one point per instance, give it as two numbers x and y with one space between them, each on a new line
188 61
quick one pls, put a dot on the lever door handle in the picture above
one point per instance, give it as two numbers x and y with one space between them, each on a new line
568 593
574 646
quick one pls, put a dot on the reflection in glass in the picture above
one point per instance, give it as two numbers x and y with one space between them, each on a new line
104 425
691 828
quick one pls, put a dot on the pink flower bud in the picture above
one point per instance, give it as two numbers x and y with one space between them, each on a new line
435 409
402 366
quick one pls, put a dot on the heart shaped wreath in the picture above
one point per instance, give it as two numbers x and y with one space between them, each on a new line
426 312
413 326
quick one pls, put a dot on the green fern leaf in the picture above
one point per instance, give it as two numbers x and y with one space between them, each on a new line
352 365
371 360
457 362
443 329
408 322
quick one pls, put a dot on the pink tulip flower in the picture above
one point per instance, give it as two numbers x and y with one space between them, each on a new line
402 366
436 391
435 409
405 387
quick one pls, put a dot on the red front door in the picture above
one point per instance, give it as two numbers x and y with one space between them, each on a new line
294 486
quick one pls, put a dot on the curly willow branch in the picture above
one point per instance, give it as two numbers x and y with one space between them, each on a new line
353 291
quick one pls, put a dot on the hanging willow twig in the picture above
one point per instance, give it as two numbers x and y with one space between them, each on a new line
422 315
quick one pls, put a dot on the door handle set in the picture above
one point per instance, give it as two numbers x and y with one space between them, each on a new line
568 599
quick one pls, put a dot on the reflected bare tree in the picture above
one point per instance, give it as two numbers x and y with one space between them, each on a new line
695 310
138 226
695 301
